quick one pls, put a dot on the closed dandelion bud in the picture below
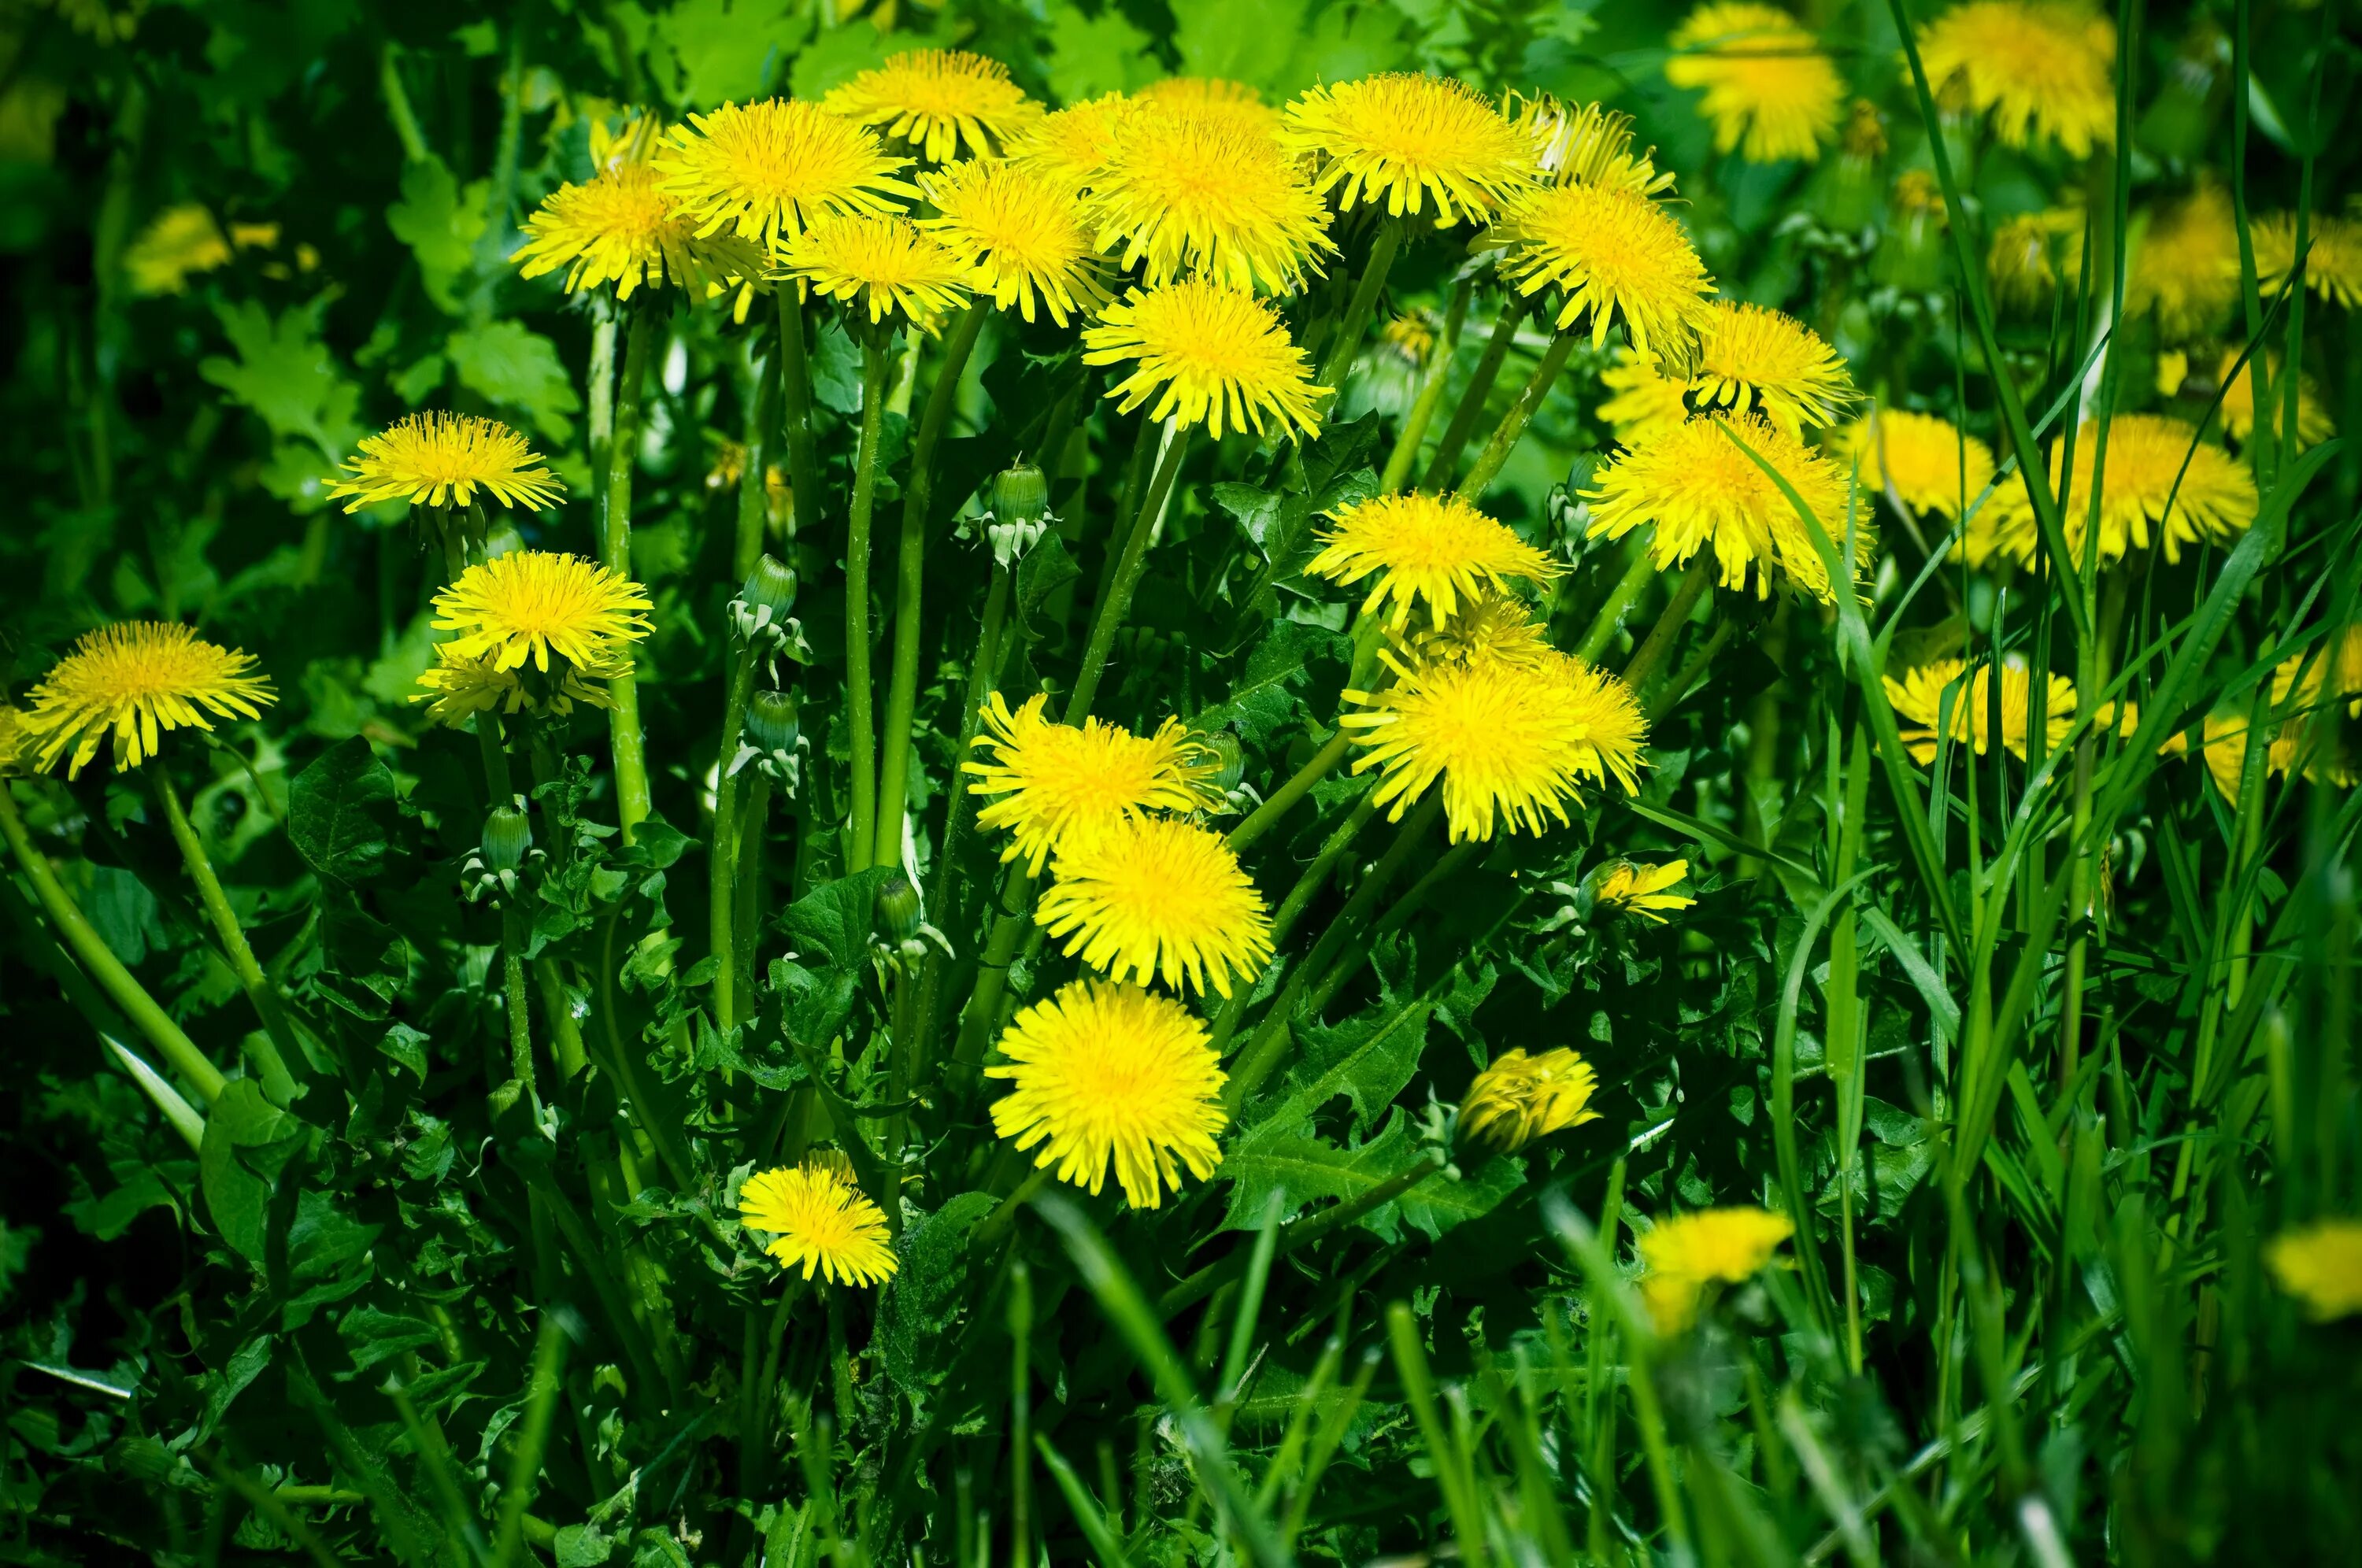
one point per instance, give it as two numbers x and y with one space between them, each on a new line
772 721
771 587
898 910
1231 757
508 838
1021 512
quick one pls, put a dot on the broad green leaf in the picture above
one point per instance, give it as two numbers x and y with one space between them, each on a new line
442 224
242 1126
518 369
286 375
338 812
1091 55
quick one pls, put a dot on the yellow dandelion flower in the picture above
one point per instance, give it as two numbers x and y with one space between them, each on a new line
2035 253
1924 694
2320 1265
135 681
441 460
1753 357
1518 1098
2186 269
1512 738
1927 460
1433 548
2153 461
888 265
938 99
2222 747
2333 258
1771 93
1410 338
1106 1074
1060 784
1019 232
1615 254
532 604
817 1219
766 171
1489 624
1182 194
622 228
458 689
16 741
1158 897
1212 100
1647 403
2040 69
1630 885
177 244
2314 424
1210 355
1701 490
1411 143
1586 145
1068 146
1686 1254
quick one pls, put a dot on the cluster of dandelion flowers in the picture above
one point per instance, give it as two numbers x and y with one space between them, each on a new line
530 606
1413 144
1771 93
1642 890
1017 232
766 171
2160 477
820 1222
2320 1265
1061 784
1158 897
441 460
1612 254
2041 68
1701 490
1751 357
1433 549
1210 355
1647 404
621 228
2185 272
1518 1098
1929 463
938 100
1182 194
2333 257
1684 1254
1104 1075
885 265
1925 694
134 681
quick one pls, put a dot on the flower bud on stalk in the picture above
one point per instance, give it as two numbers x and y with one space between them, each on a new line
1021 512
508 839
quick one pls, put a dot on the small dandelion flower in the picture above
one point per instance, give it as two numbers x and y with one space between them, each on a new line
2154 462
458 689
887 266
1411 143
1772 92
2333 257
819 1220
1102 1076
2237 408
2034 254
1210 355
1488 624
1586 145
1647 403
1750 358
1927 461
1615 255
441 460
621 228
1630 885
2186 269
766 171
2042 69
1925 694
134 681
177 243
938 100
1158 897
1061 784
1019 234
1180 195
532 605
1411 338
1518 1098
1066 147
1423 549
1686 1254
2320 1265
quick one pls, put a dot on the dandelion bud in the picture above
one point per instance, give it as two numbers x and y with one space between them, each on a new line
1230 755
508 837
770 586
897 910
1021 512
772 721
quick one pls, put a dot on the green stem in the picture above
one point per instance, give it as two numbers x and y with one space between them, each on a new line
1431 395
1619 599
257 985
754 479
1015 901
721 906
565 1032
632 794
1383 250
982 673
746 867
1676 615
1521 413
1300 898
795 398
532 1440
513 1001
1446 461
1278 802
875 360
1110 617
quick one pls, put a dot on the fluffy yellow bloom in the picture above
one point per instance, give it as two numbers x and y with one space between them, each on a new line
766 171
1701 490
1210 98
2320 1265
1436 549
938 100
1068 146
177 244
1060 784
1684 1254
622 228
1411 143
1630 885
441 460
887 266
1647 403
1927 460
821 1221
2186 269
1613 254
1106 1074
1210 355
458 689
2309 738
1771 93
1750 358
1019 233
1583 144
2237 408
1158 897
2152 459
134 681
1518 1098
2332 260
2041 69
2035 253
1488 624
532 605
1184 194
1924 694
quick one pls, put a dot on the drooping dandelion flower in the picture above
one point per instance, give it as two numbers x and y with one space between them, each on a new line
1411 143
134 681
457 689
819 1220
1647 403
1612 254
441 460
1702 491
1518 1098
2333 258
1928 461
2034 254
1017 232
1684 1254
1438 551
1750 358
1583 144
1210 355
766 171
938 100
1179 196
622 228
2186 269
1630 885
2320 1265
887 266
2041 69
2237 408
2153 460
1158 897
1771 93
1925 694
1212 100
529 606
1061 784
1068 146
1104 1076
177 243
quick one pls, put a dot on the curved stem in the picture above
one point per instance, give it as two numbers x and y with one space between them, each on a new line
1117 603
1430 395
875 360
258 990
721 905
632 794
1522 412
1619 599
795 399
1676 615
1277 803
1383 250
1441 468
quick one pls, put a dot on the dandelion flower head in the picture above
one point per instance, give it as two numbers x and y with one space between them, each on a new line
938 100
2041 68
2186 268
621 227
1060 784
2035 253
1017 232
1771 93
1613 254
1431 549
1411 143
441 460
1068 146
1212 99
1684 1254
766 171
1927 460
1641 889
134 681
1518 1098
1488 624
1158 897
2333 257
1647 404
886 266
1583 144
532 605
1925 694
1209 355
2320 1265
1181 194
2237 409
820 1221
457 689
2154 461
1753 357
177 244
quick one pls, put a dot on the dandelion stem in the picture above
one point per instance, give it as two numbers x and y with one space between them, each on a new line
257 985
1431 395
754 477
876 361
1619 599
795 399
1383 247
1279 801
1522 412
1446 461
1110 617
721 906
982 672
632 794
1291 910
1659 642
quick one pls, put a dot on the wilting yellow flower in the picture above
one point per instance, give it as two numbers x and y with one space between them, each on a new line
532 604
1060 785
2035 253
135 681
2042 68
821 1221
1922 695
1647 403
886 265
936 99
1753 357
1630 885
1512 738
2239 405
1181 194
441 460
1068 146
1700 489
766 171
1212 99
1927 460
1433 548
1019 233
1210 355
1106 1074
2320 1265
1158 897
1518 1098
177 243
1771 90
1689 1252
2333 259
1611 253
2186 269
2152 459
1411 143
457 689
1586 145
622 228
